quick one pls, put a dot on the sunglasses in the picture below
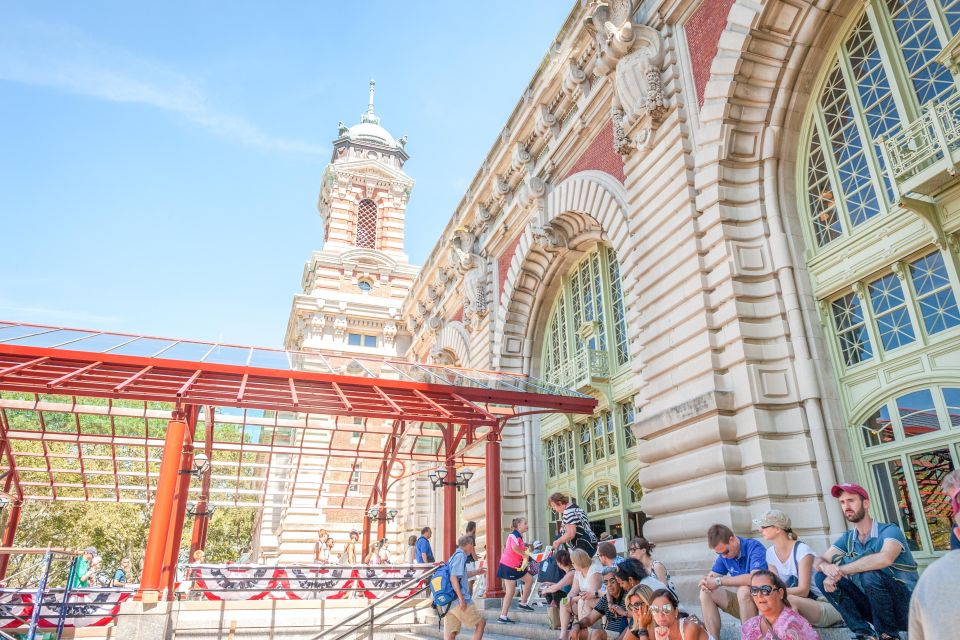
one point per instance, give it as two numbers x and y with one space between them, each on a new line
663 608
635 549
636 606
764 590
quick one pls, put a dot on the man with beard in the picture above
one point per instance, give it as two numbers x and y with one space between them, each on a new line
868 573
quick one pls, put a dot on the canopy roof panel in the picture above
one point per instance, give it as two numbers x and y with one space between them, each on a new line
83 414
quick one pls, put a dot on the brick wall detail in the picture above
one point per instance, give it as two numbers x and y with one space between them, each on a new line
600 156
503 262
703 29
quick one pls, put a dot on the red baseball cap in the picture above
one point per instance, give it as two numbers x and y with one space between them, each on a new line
849 487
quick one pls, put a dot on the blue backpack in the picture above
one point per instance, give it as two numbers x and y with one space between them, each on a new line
441 587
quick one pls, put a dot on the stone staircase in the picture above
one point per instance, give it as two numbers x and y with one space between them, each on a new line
534 626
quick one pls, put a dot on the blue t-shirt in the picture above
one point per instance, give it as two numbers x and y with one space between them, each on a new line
753 556
120 576
458 569
423 547
880 532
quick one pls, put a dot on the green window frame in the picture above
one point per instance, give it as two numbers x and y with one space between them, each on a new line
909 444
913 302
881 77
591 292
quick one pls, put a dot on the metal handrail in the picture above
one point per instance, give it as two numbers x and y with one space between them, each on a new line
369 609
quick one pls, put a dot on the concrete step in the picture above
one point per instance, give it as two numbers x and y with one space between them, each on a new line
534 626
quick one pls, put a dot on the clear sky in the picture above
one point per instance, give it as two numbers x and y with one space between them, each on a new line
160 165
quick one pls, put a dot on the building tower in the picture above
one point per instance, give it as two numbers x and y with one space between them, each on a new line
350 301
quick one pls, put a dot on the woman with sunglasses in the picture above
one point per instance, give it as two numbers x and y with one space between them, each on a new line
777 619
669 624
638 608
792 561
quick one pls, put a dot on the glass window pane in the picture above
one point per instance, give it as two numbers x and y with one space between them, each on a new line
636 491
851 329
929 470
239 356
370 341
890 311
951 397
918 415
878 428
895 500
938 305
354 339
144 347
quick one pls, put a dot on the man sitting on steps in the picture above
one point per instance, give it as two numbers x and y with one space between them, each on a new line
868 574
611 606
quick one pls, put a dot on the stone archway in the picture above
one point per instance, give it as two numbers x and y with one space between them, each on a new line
584 209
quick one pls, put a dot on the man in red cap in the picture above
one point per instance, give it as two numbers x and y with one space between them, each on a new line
868 573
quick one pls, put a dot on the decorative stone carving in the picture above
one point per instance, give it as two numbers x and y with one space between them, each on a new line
545 121
435 324
340 327
473 266
634 54
609 21
574 78
521 158
389 334
317 323
549 236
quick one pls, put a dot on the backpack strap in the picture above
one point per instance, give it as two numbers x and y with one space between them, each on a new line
796 565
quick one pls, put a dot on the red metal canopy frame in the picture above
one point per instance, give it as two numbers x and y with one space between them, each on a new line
102 416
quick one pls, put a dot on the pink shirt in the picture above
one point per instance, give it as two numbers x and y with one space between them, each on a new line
789 626
512 555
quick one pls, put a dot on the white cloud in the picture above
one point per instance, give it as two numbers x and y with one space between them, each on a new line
65 59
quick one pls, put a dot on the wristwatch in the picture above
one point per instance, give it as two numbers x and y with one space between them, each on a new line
719 583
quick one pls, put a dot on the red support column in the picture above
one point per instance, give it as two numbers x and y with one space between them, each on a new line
9 534
163 503
168 574
382 507
449 497
494 513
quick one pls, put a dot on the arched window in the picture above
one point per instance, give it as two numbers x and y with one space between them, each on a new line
367 224
605 496
588 325
636 491
909 446
882 79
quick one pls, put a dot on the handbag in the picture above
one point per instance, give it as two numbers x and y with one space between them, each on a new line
533 568
794 581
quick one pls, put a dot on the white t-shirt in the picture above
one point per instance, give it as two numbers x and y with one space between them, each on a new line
581 579
789 568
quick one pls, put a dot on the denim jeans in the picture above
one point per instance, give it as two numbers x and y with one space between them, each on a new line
882 602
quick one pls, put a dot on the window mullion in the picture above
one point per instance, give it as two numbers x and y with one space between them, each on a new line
939 24
902 269
888 45
869 145
839 202
869 320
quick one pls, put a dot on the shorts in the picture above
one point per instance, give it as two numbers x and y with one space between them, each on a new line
457 617
733 604
509 573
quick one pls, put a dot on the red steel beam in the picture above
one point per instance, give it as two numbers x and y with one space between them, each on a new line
9 535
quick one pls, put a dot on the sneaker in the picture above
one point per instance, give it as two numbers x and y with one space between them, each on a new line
506 620
525 607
